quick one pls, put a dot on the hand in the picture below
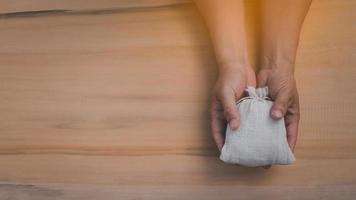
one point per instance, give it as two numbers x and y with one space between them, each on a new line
282 89
230 86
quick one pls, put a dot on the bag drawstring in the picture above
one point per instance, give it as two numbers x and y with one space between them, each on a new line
259 94
258 98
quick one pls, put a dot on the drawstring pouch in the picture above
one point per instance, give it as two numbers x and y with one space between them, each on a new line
260 140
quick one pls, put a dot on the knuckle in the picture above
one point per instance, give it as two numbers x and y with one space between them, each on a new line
216 116
280 106
213 114
229 113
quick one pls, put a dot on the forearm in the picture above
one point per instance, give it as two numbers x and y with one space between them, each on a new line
281 25
225 21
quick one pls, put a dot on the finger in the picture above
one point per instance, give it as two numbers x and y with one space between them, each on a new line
280 105
292 123
217 124
231 114
292 133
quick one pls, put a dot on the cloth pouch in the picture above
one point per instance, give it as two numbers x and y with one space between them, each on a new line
260 140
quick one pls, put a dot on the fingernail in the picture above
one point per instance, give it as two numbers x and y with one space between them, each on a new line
233 124
277 114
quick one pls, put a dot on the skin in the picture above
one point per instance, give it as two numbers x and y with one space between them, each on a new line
225 21
281 25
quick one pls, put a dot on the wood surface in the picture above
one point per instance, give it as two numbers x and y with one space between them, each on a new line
109 100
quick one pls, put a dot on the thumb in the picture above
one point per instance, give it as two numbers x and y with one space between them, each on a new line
280 105
230 112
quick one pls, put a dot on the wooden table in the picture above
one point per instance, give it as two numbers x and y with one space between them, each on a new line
109 100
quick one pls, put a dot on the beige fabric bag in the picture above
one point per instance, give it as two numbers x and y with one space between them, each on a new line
260 140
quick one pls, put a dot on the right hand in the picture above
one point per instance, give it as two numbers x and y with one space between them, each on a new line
230 86
282 89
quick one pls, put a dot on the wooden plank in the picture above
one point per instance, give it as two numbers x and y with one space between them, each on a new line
10 6
116 104
90 192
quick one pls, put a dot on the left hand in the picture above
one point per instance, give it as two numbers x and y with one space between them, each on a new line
231 83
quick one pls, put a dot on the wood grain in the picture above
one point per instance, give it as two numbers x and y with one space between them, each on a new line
112 102
13 6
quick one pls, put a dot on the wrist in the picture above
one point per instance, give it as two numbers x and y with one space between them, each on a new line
230 56
279 56
231 69
279 64
233 64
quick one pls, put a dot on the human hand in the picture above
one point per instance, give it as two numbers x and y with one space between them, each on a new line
282 89
230 86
